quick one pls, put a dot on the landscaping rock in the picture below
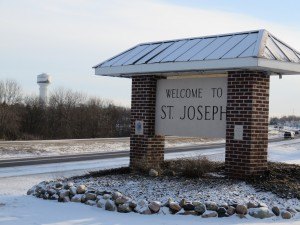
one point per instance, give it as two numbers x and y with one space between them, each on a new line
64 193
291 210
69 185
58 185
99 197
100 204
30 191
224 205
54 197
174 207
153 173
116 195
46 196
196 203
232 203
200 208
121 200
154 206
90 202
66 199
107 196
146 212
83 198
209 214
222 212
276 210
251 205
241 209
73 191
51 191
188 206
81 189
132 204
90 196
76 198
182 202
211 206
190 212
261 204
261 213
110 205
230 210
286 214
167 204
125 208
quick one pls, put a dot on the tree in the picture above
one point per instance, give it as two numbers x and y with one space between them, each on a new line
10 92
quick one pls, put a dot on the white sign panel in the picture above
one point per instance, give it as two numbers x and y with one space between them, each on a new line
191 107
238 132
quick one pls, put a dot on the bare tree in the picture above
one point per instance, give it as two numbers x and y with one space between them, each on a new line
67 97
10 92
69 114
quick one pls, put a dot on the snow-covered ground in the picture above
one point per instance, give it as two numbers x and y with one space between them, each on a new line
17 208
23 149
285 151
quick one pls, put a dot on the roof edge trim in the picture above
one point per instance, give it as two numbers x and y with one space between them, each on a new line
279 67
221 65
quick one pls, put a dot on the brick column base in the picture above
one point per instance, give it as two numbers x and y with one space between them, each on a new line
146 150
247 105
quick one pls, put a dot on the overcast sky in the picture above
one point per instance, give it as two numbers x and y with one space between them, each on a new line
65 38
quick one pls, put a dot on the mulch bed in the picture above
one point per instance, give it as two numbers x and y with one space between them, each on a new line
281 179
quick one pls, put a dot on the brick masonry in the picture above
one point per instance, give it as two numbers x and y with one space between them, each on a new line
146 149
247 105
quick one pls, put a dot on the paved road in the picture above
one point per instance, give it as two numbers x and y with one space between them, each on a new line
105 155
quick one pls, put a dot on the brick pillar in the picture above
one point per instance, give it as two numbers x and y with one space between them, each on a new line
247 105
146 149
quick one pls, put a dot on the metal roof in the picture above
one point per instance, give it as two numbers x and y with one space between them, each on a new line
256 50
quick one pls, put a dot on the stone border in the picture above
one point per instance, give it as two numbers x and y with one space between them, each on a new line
116 201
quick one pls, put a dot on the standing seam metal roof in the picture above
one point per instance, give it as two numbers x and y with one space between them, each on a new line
250 44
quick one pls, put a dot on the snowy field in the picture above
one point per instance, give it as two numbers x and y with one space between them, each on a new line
23 149
17 208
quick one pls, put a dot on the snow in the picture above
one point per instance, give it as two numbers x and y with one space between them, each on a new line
285 151
18 208
36 148
32 211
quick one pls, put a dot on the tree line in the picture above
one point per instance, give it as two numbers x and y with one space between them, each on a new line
68 114
285 120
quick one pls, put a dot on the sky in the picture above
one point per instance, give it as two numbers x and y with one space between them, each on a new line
65 38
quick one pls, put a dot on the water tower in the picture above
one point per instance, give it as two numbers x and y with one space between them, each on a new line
43 80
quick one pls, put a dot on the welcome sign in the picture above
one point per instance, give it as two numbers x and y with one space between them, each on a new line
191 107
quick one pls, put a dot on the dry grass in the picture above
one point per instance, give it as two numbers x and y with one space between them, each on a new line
196 167
193 167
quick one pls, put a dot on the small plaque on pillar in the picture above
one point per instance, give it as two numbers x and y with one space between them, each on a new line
238 132
139 127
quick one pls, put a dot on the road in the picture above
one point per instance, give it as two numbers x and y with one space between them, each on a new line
103 155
